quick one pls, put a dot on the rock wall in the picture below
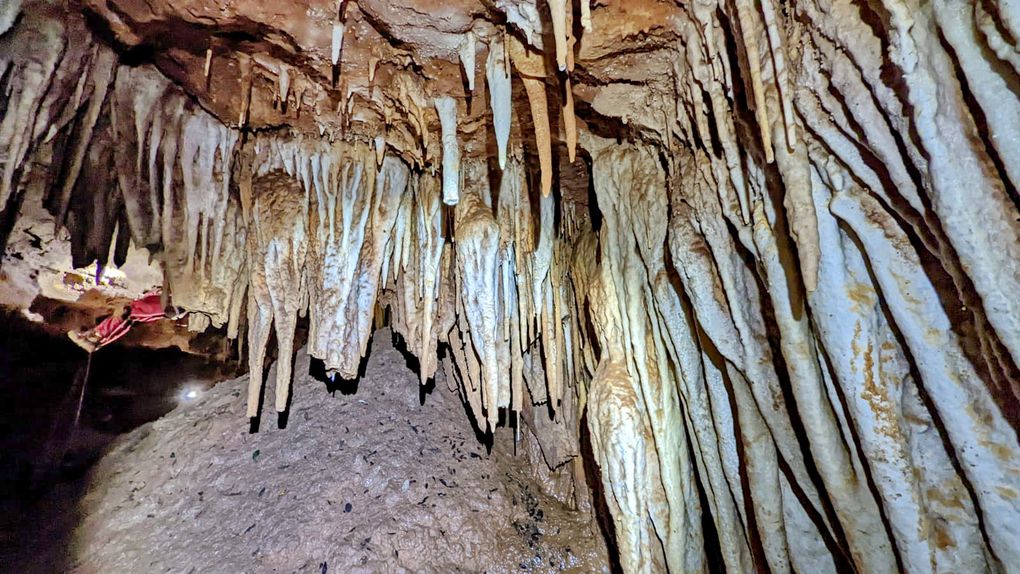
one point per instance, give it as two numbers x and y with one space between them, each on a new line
782 294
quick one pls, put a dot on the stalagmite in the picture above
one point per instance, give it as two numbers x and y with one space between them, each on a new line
446 107
498 77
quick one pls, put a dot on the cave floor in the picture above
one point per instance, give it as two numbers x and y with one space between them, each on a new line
44 458
373 476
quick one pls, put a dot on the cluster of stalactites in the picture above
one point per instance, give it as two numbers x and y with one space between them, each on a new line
531 67
322 216
833 281
514 306
334 234
223 218
165 165
688 396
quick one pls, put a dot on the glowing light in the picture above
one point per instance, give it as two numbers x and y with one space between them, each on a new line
189 393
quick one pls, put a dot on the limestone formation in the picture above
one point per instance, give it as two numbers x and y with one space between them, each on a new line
767 258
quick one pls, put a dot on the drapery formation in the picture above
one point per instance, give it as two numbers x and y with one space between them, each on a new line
789 313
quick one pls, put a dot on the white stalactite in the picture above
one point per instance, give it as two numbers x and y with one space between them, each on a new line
8 14
498 75
586 15
558 10
467 58
283 86
446 108
337 44
207 68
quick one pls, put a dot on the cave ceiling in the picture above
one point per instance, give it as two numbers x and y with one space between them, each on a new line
394 59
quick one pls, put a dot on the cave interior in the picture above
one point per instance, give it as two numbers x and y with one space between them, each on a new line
510 285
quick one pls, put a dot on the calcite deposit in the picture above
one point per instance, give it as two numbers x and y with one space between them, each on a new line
764 254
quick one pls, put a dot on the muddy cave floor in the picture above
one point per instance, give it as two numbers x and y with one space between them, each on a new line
367 476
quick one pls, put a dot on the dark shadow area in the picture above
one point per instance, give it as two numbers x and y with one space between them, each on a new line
412 362
55 424
317 369
484 437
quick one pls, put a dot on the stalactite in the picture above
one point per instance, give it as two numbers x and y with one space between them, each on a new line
629 188
283 87
277 248
246 87
380 150
984 440
558 10
373 66
207 67
446 108
777 50
103 72
586 15
498 77
749 37
621 433
8 14
477 239
337 43
24 104
531 68
467 59
569 120
417 282
542 297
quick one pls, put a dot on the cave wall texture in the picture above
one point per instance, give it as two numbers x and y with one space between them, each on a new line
766 252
